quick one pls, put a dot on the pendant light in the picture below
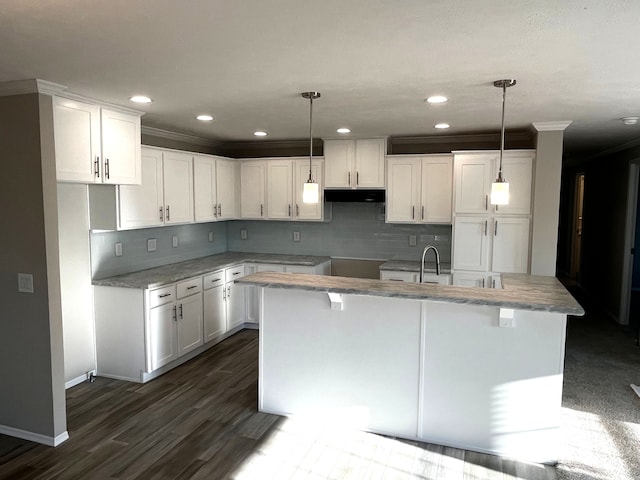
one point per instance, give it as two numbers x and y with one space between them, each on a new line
500 188
310 191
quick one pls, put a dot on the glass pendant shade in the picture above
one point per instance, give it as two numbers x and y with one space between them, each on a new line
310 192
500 193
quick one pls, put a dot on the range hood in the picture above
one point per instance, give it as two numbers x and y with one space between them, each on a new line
351 195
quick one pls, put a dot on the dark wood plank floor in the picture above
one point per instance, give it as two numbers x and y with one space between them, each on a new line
200 421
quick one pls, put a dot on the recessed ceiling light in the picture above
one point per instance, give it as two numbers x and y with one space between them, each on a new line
260 134
630 120
442 125
204 118
437 99
140 99
343 130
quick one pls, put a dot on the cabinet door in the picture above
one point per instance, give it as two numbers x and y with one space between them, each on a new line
215 315
121 147
252 298
473 182
178 187
437 187
517 170
235 305
189 323
252 180
398 276
204 189
369 165
307 211
163 341
339 157
280 189
403 190
226 188
76 128
470 279
471 239
510 245
142 205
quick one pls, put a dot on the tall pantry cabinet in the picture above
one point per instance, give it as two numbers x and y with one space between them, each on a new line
490 239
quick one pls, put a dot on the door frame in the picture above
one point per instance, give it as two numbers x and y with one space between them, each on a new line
629 241
575 262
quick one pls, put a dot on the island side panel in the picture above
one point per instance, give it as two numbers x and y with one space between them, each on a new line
490 388
358 366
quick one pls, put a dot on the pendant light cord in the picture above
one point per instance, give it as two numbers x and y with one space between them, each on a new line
310 136
504 95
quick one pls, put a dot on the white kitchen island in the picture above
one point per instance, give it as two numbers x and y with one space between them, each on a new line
472 368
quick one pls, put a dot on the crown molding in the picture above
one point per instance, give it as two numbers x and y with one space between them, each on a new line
180 137
551 126
31 85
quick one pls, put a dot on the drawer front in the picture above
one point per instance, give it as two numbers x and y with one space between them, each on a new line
234 273
269 267
189 287
443 279
213 279
398 276
160 296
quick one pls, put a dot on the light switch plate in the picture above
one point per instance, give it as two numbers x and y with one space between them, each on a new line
243 233
118 246
296 236
25 283
211 236
151 245
174 241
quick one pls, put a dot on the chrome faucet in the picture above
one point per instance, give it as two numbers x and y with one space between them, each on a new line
424 253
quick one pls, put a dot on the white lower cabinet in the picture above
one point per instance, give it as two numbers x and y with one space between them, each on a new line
224 302
189 316
163 335
404 276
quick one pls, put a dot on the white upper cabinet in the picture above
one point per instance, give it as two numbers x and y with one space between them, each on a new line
205 203
280 189
178 187
307 211
252 189
226 188
517 169
96 145
473 177
354 163
143 205
510 251
419 189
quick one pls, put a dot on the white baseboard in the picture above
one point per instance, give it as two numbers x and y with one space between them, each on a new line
75 381
34 437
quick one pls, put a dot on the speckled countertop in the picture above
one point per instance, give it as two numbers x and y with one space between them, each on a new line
521 292
174 272
414 266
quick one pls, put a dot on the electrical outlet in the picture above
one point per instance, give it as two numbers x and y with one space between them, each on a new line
25 283
211 236
440 238
174 241
412 240
118 246
151 245
243 233
296 236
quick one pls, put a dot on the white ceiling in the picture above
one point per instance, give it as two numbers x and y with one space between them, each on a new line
374 61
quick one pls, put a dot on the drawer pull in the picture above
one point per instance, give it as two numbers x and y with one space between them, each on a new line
236 273
192 286
162 295
215 280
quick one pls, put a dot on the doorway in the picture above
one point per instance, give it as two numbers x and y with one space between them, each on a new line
576 240
630 306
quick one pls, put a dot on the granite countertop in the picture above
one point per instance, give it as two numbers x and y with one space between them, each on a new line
414 266
174 272
521 292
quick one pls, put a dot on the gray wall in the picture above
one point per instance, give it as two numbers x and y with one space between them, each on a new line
356 230
193 242
31 347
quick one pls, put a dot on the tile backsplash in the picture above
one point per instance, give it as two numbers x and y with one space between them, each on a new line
352 230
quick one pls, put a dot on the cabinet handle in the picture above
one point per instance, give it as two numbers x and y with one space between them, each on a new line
422 214
261 210
215 210
483 283
181 316
413 212
496 208
219 209
486 202
164 295
289 209
175 319
349 178
357 178
215 280
168 218
161 210
485 228
236 273
106 168
224 293
96 168
297 210
229 291
493 283
192 286
495 231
